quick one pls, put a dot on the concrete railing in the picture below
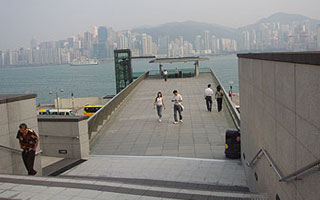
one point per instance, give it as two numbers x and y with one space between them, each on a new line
231 108
99 117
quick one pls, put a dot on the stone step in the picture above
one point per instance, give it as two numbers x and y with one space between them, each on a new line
15 187
163 183
61 166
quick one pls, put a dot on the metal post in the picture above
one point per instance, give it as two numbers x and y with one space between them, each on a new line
196 66
57 101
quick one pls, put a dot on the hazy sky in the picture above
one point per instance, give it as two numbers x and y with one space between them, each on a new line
46 20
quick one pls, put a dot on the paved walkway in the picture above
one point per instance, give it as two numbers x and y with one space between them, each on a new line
134 129
189 170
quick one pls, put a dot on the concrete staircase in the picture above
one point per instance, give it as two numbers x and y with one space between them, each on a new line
90 187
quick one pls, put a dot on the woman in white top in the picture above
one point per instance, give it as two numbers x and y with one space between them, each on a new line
159 102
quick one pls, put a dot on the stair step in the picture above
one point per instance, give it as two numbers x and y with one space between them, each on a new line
121 189
162 183
61 166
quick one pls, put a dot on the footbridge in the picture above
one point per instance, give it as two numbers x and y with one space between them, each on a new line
133 129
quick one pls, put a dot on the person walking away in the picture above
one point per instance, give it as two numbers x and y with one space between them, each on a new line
28 141
176 72
230 92
165 74
159 103
177 99
219 95
208 93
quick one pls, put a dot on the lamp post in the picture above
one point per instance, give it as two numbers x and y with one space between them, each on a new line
57 97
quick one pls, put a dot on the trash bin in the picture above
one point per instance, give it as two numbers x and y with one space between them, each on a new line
233 146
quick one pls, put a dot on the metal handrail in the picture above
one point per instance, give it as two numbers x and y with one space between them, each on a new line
301 171
17 150
11 149
295 175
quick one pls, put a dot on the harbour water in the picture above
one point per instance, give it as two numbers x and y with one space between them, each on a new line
95 80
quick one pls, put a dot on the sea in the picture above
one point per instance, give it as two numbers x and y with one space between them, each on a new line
96 80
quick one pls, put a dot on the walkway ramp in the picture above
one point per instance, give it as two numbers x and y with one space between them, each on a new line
134 129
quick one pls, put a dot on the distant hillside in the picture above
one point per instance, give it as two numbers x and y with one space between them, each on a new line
189 30
283 18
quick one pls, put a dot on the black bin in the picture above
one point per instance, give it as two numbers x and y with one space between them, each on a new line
233 147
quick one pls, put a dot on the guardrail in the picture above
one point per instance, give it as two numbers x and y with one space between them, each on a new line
293 176
106 111
232 109
17 150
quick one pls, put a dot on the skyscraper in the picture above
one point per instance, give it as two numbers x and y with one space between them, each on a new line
33 43
197 44
123 41
87 40
318 37
95 32
102 34
1 59
206 40
245 40
146 45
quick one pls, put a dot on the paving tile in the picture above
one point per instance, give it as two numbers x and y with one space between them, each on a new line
198 123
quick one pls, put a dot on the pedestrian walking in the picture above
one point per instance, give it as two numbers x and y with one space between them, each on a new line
176 72
28 141
219 95
159 104
165 75
230 92
208 93
177 107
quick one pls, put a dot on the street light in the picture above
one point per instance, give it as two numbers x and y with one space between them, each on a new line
57 97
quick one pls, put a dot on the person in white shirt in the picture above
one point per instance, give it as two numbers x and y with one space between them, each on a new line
159 102
208 93
165 74
177 99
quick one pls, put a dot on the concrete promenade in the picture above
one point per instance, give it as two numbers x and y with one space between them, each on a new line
134 129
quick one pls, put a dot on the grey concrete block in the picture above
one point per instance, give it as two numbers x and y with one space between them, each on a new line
285 81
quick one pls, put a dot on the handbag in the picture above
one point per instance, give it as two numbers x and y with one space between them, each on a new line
182 107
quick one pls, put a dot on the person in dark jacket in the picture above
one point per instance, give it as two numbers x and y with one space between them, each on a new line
219 96
28 141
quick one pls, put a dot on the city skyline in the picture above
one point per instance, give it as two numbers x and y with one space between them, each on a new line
279 32
53 20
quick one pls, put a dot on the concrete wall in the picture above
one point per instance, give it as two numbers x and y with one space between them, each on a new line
79 102
15 109
280 112
64 136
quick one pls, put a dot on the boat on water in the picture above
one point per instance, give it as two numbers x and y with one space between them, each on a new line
82 62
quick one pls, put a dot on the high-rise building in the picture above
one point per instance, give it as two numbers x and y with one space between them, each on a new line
318 37
1 59
102 34
71 42
99 51
214 44
163 44
245 40
123 42
33 43
95 32
147 45
197 44
206 40
87 40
